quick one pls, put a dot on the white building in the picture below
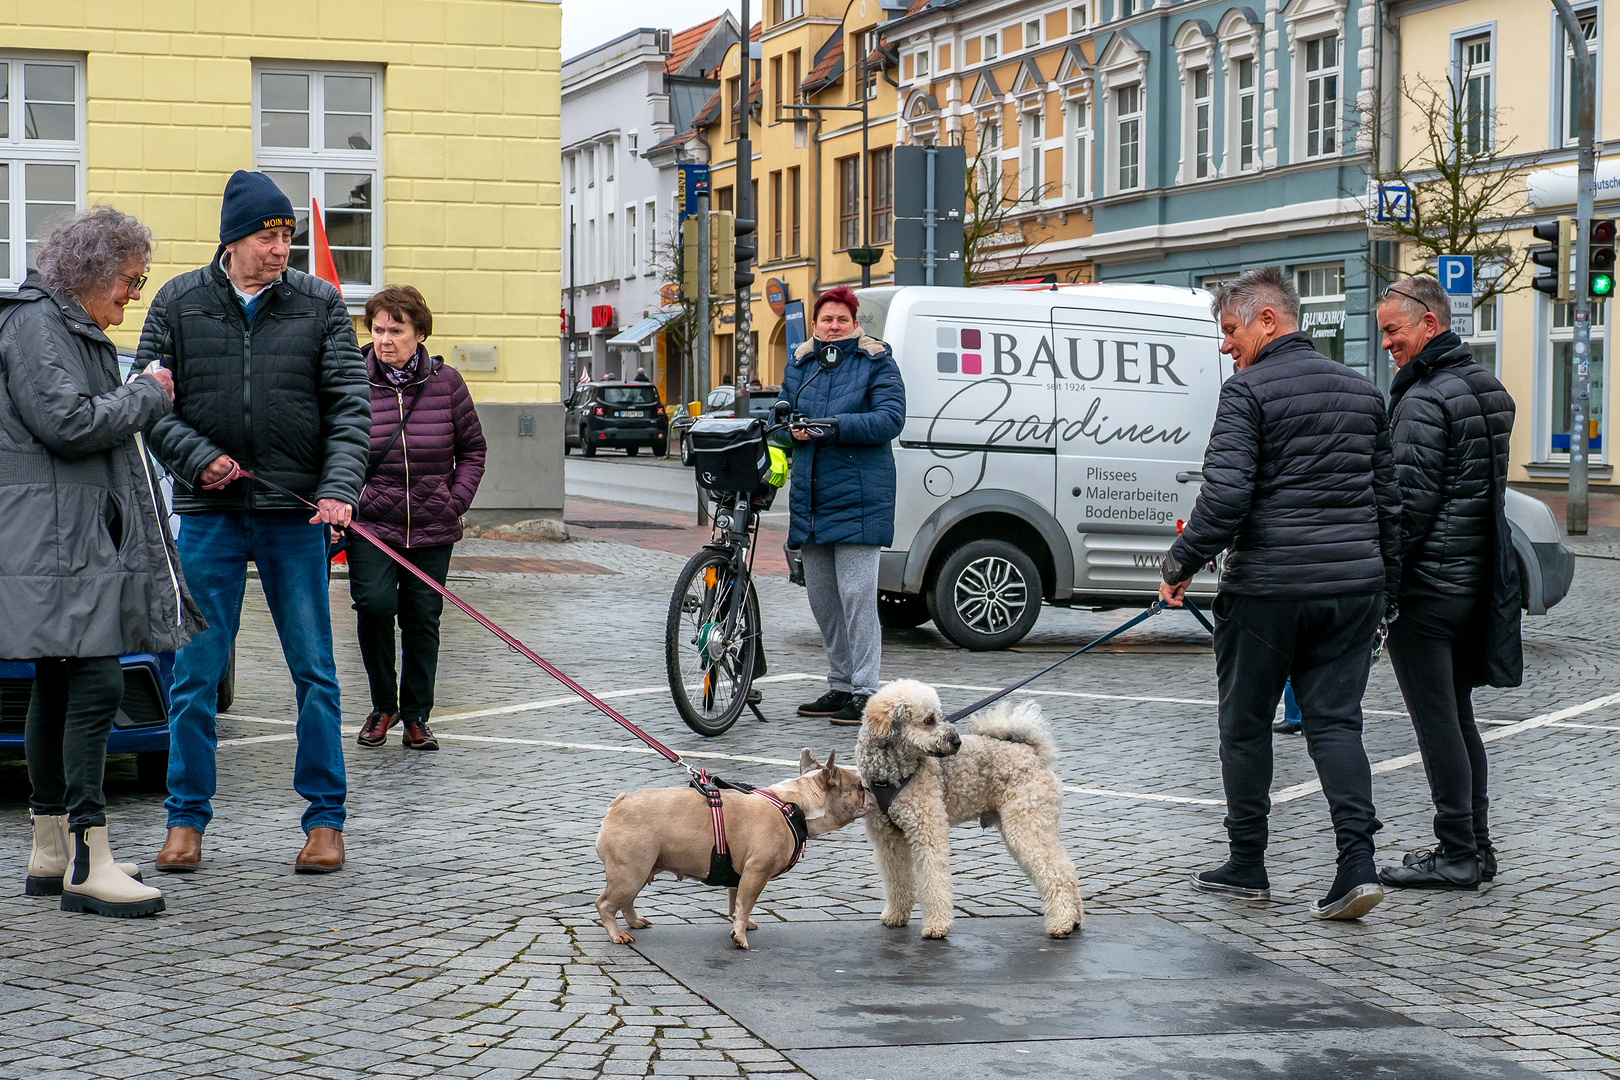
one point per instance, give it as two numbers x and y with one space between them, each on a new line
618 207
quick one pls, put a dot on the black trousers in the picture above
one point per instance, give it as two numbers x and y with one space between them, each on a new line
382 592
1428 647
1325 646
65 737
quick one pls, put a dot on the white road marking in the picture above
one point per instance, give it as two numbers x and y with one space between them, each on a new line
1288 794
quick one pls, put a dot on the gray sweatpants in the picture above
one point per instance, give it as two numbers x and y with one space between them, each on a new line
842 582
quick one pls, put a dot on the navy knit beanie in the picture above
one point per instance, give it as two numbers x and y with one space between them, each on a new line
252 203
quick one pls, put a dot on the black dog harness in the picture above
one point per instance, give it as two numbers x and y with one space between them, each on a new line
885 794
721 871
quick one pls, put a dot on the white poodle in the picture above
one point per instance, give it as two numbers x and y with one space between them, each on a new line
928 776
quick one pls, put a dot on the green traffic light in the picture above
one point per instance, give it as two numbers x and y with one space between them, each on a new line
1601 285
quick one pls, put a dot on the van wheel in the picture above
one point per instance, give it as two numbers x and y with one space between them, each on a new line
899 611
987 595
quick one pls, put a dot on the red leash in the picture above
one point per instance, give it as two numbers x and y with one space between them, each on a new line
516 645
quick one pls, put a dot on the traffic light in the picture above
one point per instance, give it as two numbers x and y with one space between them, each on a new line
748 250
720 245
691 264
1600 259
1560 235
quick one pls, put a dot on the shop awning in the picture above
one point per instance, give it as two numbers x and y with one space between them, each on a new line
639 334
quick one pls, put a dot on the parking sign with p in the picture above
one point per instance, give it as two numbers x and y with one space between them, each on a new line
1456 273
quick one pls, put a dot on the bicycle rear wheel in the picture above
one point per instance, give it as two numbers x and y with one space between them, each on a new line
710 663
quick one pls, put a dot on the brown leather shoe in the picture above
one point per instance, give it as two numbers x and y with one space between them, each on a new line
418 736
323 852
374 732
182 850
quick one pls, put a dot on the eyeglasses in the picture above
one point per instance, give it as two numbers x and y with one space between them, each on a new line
136 282
1409 296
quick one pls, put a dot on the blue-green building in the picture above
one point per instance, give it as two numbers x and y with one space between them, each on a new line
1226 137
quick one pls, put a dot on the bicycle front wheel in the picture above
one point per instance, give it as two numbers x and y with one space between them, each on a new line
709 647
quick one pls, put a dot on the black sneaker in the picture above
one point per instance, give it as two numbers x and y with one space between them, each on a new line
826 704
1433 869
850 715
1285 727
1238 882
1487 863
1355 892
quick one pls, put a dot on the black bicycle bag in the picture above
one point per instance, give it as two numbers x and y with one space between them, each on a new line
729 453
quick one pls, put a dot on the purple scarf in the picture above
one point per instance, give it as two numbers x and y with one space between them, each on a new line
403 376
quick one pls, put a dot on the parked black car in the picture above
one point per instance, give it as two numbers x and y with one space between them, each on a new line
621 415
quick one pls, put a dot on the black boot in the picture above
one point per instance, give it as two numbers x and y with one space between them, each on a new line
1355 892
1434 869
1238 882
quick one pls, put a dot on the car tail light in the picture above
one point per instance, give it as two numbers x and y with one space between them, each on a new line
658 411
599 411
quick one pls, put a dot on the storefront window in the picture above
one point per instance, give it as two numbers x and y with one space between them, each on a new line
1321 307
1563 378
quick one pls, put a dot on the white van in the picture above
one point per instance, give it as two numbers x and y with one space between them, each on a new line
1053 445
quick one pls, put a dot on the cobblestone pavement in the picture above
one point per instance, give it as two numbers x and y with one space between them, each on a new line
461 941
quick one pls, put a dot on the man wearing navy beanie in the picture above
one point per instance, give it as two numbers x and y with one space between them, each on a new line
268 379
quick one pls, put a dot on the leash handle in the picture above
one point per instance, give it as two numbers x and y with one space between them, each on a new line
478 617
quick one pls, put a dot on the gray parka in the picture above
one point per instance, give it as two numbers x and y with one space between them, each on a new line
87 565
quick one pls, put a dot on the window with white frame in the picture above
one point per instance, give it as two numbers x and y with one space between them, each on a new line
1569 110
992 46
1474 89
1322 96
315 134
1562 374
632 242
649 229
1079 18
1321 307
1246 127
1483 343
922 63
1032 158
989 154
1127 8
1032 33
1198 116
41 153
1080 163
1128 136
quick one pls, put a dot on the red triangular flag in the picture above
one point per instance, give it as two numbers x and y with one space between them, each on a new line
325 268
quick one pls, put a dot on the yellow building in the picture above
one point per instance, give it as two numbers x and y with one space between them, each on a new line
427 131
1511 64
1010 81
807 164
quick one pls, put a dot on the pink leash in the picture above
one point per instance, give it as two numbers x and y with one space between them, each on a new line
512 642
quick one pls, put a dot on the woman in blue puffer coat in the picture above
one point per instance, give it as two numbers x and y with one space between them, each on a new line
843 492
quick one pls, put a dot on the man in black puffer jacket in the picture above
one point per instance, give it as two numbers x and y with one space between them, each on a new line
1451 420
1299 484
268 378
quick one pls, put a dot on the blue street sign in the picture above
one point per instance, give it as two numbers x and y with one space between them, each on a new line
1456 273
690 182
793 315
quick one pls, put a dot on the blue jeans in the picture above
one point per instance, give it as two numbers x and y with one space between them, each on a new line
215 548
1291 710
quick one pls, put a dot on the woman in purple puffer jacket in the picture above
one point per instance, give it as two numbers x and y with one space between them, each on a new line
419 482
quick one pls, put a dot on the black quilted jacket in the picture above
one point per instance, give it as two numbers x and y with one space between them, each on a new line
1299 482
1450 420
286 397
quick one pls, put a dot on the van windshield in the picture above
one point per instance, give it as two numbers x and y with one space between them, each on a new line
629 395
874 311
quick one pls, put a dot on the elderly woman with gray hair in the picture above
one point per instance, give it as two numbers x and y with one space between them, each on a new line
87 567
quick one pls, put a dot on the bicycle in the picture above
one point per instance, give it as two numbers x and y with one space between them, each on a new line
712 642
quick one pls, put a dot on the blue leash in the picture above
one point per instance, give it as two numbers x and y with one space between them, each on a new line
1152 610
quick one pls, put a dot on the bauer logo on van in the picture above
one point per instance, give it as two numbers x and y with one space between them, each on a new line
963 350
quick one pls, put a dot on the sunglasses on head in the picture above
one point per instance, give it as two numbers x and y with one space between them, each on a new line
1392 291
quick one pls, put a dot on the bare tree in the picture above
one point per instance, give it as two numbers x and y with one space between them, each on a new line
1464 200
996 244
682 332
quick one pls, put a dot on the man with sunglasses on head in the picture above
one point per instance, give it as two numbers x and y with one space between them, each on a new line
1450 421
1299 488
268 380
